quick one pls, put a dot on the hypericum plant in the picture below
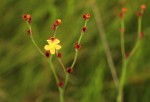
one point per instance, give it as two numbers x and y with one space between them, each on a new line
126 57
51 50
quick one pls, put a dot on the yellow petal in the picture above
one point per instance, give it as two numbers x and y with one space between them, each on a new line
58 47
49 42
56 41
47 47
52 51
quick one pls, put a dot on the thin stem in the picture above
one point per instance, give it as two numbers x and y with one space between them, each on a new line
63 67
32 39
55 32
102 34
76 55
134 49
139 26
122 38
53 69
124 64
138 37
61 91
122 81
36 45
75 58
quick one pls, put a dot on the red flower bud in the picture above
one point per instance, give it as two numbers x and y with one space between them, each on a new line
60 84
121 15
126 55
139 14
24 17
77 46
57 22
53 27
86 16
27 17
59 55
143 7
84 29
28 31
124 10
69 70
47 53
141 34
52 38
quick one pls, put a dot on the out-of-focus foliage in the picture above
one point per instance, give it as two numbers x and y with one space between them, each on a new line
25 75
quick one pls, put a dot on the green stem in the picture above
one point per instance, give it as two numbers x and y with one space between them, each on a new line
103 38
76 55
61 63
122 81
122 39
139 26
61 91
138 38
63 67
124 66
32 39
55 32
53 69
37 47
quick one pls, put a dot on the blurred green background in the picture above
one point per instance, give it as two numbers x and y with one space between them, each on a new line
25 75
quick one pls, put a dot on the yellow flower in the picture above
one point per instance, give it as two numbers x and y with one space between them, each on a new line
52 45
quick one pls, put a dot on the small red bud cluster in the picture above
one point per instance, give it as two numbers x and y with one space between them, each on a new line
28 31
84 29
56 24
140 13
52 39
69 70
141 35
60 84
27 17
59 55
127 55
77 46
123 11
47 54
86 16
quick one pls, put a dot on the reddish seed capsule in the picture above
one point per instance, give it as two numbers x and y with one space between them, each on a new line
28 16
84 29
124 10
29 20
121 15
24 17
28 31
127 55
52 38
77 46
69 70
86 16
59 55
143 7
53 27
47 53
60 84
57 22
141 34
139 14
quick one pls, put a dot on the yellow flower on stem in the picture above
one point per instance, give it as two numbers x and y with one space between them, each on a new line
52 45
